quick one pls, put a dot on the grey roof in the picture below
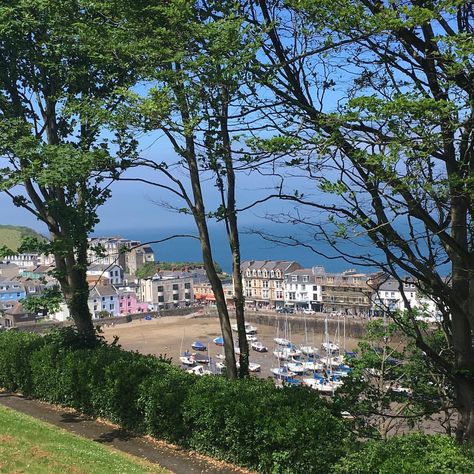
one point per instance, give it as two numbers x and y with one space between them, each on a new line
102 267
269 265
104 290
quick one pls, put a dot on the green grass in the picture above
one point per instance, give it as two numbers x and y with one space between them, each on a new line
11 235
31 446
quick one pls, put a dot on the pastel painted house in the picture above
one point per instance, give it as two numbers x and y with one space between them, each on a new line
11 291
128 303
103 298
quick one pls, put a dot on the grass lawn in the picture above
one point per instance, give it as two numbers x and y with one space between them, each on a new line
31 446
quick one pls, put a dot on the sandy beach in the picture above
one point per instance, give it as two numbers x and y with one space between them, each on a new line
175 334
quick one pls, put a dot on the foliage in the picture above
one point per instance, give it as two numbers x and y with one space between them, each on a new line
11 236
250 422
423 454
49 300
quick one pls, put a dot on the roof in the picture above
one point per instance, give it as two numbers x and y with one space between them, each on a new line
269 265
17 309
104 290
102 267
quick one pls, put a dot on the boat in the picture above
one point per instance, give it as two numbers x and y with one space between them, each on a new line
320 384
218 341
330 346
251 337
281 372
187 360
199 370
253 367
281 355
309 350
259 347
296 367
281 341
200 358
249 329
198 346
292 351
312 366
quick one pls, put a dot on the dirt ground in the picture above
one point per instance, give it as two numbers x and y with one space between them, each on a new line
174 334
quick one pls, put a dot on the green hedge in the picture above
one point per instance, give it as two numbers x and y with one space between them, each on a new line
248 422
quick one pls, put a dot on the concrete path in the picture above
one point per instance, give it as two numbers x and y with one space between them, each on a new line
176 460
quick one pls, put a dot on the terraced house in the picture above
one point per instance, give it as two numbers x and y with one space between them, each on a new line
263 281
314 288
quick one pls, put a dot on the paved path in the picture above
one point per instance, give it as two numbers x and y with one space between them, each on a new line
176 460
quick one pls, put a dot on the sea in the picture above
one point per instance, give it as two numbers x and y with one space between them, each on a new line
257 242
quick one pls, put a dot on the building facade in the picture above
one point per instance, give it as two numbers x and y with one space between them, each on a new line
113 273
103 298
263 281
166 290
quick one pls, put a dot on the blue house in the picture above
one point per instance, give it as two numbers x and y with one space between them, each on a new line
11 291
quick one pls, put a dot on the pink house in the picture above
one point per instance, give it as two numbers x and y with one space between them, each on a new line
128 303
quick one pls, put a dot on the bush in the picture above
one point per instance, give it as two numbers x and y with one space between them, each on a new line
249 422
16 349
423 454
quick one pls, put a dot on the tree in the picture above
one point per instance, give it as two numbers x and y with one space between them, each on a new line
373 105
194 98
62 68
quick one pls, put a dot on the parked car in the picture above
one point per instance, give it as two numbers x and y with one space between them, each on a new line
282 310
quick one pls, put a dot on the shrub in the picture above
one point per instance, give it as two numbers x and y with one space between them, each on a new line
420 453
15 353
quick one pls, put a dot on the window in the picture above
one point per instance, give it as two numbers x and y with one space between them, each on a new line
161 299
103 306
248 273
315 297
294 278
278 274
103 298
303 287
95 307
305 278
277 284
111 298
129 303
264 293
315 288
265 274
265 283
187 286
160 289
176 297
175 287
111 306
272 274
187 296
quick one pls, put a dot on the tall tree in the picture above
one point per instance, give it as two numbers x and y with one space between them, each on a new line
194 98
62 67
375 101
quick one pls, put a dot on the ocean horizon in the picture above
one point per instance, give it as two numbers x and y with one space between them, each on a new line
253 246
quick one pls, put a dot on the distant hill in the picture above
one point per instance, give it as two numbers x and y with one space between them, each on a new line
11 235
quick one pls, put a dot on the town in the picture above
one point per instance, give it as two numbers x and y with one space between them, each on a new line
270 285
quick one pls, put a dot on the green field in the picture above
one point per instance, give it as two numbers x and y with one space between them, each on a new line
11 235
31 446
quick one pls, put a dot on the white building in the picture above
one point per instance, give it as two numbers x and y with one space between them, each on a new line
113 273
166 290
24 261
103 298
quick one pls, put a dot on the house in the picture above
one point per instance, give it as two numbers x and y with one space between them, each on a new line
167 289
263 281
316 289
103 298
129 304
113 273
11 290
8 271
23 260
15 316
203 292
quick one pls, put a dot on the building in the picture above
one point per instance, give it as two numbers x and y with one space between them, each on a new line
389 296
11 291
314 288
167 290
112 273
129 304
16 315
103 298
23 260
263 281
8 271
129 254
203 292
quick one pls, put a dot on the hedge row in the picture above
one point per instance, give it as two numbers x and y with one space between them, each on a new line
248 422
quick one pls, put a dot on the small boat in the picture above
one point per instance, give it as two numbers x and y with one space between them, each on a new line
253 367
147 318
281 355
330 347
309 350
292 351
198 346
296 367
259 347
281 372
187 360
251 337
199 370
218 341
282 342
312 366
200 358
320 384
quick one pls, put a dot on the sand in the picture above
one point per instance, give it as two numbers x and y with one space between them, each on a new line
174 334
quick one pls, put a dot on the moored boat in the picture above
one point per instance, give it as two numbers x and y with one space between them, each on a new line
218 341
281 341
259 347
198 346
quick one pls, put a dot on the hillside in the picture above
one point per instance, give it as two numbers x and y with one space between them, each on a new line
11 235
